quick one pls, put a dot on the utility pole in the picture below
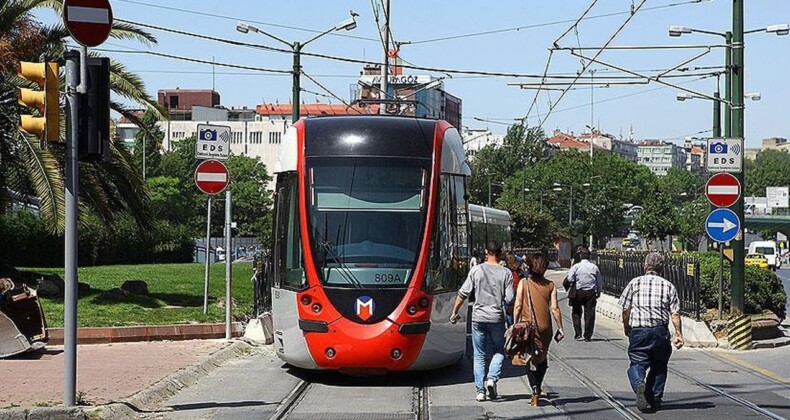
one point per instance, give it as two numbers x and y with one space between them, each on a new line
208 260
228 272
737 123
73 63
297 88
385 70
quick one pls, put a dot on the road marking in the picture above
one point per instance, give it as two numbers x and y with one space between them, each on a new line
765 372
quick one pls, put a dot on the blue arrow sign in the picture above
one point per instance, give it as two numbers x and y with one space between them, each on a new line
722 225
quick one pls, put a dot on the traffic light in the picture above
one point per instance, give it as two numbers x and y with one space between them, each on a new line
94 124
46 100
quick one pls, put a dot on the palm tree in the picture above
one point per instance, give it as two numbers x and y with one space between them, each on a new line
25 166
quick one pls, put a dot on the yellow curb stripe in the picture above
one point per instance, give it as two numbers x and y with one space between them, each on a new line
757 369
740 335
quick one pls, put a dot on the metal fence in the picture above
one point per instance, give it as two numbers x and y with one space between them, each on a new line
550 253
682 270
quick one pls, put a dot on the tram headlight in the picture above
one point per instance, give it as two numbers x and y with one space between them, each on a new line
316 307
412 310
306 300
329 352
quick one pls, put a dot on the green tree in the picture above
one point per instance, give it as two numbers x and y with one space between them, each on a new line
659 216
252 202
681 185
771 168
531 228
691 222
148 143
109 189
493 164
601 190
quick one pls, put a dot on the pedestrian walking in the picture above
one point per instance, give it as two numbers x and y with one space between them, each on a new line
536 299
584 281
514 266
492 285
649 302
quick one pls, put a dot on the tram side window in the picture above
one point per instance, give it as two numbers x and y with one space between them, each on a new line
449 257
291 262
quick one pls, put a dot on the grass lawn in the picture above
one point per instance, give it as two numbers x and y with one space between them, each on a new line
175 295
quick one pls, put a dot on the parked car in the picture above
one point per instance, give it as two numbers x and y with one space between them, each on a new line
757 260
632 240
770 250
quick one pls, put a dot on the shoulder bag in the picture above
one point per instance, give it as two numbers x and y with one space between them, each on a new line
520 337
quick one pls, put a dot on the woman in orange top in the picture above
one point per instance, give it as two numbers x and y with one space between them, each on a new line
544 302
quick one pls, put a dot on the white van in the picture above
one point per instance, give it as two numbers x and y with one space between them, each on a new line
770 250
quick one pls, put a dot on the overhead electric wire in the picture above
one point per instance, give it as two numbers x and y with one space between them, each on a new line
317 83
194 60
232 18
634 11
545 24
327 56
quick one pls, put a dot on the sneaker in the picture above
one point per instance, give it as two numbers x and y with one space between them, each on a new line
655 405
578 338
491 388
587 339
641 399
481 396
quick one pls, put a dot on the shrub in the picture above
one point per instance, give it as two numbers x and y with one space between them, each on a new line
764 289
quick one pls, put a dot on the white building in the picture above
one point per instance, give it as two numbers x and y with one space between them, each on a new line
659 156
255 139
476 139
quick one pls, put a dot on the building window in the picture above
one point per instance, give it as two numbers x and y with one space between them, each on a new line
173 101
274 137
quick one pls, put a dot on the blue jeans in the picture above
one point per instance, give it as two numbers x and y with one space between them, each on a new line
649 351
487 334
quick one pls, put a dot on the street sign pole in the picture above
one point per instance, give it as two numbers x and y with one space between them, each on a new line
208 253
70 263
228 268
721 279
738 269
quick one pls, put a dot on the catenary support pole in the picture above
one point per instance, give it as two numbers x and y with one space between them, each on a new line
297 84
208 257
721 279
228 267
385 69
737 280
72 176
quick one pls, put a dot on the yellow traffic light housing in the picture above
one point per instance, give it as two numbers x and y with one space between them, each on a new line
46 100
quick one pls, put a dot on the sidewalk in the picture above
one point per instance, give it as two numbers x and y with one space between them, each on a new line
105 372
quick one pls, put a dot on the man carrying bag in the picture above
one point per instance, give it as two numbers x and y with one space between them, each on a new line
584 288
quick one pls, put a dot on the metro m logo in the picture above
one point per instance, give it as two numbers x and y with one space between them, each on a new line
365 307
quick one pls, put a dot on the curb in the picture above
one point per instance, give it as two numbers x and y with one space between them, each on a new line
107 335
131 407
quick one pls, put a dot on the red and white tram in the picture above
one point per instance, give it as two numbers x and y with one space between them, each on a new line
371 243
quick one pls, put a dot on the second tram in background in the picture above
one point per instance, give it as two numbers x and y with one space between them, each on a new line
371 243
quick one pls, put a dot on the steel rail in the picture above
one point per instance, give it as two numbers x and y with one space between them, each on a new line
291 400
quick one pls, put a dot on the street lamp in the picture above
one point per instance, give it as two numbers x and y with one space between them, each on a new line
348 25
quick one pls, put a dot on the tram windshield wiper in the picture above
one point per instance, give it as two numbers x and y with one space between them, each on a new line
344 271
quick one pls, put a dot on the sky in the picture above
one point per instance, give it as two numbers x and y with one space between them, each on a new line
651 110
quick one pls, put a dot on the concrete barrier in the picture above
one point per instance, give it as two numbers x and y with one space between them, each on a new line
695 333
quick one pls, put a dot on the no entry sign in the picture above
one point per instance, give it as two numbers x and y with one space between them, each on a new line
723 190
211 176
88 21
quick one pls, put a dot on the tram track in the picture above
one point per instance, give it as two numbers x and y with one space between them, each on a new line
598 390
421 400
292 399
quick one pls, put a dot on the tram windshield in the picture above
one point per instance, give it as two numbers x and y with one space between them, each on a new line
366 216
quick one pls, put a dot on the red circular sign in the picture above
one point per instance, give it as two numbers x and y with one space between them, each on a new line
212 177
88 21
723 189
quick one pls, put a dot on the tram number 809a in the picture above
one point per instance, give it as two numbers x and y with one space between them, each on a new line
387 278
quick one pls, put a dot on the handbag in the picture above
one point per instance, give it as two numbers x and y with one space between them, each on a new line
570 287
520 337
